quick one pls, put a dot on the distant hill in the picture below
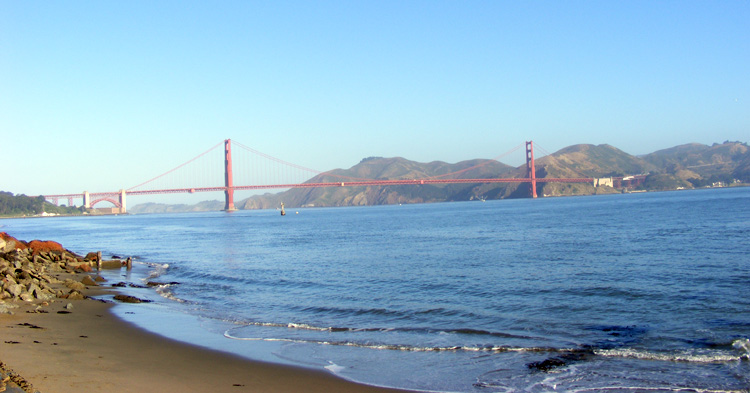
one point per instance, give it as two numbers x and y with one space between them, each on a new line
595 161
685 166
386 169
703 164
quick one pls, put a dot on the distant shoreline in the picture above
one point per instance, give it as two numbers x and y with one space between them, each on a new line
302 207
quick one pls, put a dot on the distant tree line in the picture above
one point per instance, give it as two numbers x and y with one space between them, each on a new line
20 205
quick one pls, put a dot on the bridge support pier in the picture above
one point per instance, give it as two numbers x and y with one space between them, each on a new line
86 200
531 170
122 202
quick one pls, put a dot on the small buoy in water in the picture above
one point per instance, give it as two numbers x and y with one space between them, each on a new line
296 212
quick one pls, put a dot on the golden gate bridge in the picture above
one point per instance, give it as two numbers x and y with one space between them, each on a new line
273 176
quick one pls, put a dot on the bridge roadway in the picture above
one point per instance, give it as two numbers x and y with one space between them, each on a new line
329 184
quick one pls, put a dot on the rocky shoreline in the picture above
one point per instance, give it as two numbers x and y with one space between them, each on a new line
44 270
35 274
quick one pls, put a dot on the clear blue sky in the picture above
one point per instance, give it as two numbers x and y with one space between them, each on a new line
103 95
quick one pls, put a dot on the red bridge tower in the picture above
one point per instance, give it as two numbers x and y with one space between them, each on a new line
531 171
228 184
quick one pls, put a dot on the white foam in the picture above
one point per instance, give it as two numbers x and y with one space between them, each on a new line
655 388
334 368
305 326
163 291
742 345
682 356
392 347
159 269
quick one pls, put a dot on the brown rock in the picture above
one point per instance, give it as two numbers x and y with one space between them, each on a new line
75 295
92 256
74 285
39 246
87 280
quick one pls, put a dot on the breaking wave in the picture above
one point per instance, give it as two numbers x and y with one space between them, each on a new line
740 352
165 292
390 346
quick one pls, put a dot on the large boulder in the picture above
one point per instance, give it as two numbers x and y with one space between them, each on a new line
38 246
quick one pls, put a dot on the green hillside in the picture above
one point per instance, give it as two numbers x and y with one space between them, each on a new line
22 205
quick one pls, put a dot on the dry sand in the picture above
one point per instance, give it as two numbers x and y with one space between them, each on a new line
88 349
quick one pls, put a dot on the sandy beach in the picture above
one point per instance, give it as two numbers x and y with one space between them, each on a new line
57 338
87 349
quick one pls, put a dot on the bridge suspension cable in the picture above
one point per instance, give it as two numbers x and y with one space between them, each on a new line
486 162
177 167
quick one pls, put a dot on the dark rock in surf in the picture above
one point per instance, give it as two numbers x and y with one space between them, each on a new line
130 299
560 361
158 284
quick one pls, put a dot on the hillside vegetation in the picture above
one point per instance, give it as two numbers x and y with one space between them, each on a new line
22 205
703 165
396 168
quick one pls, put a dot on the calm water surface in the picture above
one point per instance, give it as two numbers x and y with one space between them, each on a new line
616 293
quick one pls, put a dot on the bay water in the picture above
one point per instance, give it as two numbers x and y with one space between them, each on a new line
617 293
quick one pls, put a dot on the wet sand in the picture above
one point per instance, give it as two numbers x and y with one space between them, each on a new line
87 349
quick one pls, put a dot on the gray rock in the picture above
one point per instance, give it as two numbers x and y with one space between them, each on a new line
33 287
27 297
41 294
15 290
